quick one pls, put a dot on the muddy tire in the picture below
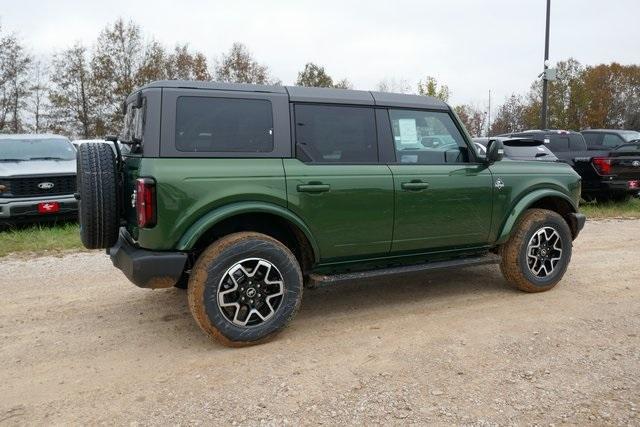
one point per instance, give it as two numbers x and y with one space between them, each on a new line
537 254
244 289
97 186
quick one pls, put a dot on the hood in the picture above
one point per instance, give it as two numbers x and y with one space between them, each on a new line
37 167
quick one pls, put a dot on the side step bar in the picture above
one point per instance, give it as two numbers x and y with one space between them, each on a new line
317 280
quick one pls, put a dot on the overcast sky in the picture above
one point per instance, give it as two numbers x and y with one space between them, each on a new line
471 45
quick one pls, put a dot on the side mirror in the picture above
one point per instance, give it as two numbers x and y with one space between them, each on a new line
495 151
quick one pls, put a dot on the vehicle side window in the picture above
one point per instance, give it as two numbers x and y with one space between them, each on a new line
558 144
335 134
427 138
223 125
611 140
577 143
593 139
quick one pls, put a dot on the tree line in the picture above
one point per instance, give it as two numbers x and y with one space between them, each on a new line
79 91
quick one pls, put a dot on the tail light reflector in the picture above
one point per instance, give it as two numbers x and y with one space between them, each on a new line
146 202
602 165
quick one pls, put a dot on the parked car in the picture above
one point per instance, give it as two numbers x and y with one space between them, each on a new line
37 178
608 139
245 193
605 175
520 148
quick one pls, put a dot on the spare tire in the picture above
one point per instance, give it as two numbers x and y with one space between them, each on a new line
98 189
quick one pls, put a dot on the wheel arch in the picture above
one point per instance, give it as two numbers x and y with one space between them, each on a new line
272 220
552 200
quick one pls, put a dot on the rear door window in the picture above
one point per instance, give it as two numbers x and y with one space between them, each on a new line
205 124
577 143
335 134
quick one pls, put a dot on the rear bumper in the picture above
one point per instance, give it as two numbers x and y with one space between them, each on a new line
147 269
27 207
577 223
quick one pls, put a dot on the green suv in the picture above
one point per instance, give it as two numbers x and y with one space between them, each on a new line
244 194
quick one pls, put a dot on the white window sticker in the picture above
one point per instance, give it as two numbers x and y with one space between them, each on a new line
408 131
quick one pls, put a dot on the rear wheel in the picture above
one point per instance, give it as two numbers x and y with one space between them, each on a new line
97 186
537 254
244 288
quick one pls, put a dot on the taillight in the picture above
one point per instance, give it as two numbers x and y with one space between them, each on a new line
146 202
602 165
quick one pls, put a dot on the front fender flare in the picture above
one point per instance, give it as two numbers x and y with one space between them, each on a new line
523 204
197 229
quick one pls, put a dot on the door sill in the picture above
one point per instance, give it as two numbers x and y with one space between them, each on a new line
318 280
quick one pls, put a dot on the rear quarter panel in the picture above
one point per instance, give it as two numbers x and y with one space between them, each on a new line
187 189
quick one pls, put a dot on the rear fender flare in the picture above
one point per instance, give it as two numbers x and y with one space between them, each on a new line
206 222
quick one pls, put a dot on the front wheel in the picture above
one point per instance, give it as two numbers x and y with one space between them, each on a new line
537 254
244 288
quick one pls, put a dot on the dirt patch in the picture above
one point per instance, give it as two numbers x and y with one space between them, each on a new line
80 344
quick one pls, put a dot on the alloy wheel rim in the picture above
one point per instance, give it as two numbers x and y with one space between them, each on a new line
544 252
250 292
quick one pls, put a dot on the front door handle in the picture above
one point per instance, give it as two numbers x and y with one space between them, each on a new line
313 188
415 185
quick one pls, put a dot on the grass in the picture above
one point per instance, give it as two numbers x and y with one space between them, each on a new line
629 209
41 238
63 237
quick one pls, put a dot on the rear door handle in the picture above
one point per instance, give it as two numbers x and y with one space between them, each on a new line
313 188
415 185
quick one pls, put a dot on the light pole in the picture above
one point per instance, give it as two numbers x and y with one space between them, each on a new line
545 80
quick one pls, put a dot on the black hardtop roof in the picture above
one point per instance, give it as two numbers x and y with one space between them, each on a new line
313 94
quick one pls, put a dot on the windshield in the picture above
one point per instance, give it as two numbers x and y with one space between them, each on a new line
630 135
22 149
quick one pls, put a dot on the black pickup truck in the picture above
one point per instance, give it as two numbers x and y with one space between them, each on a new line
606 174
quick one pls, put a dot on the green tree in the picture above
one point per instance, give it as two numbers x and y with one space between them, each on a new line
314 75
473 118
431 87
510 116
238 66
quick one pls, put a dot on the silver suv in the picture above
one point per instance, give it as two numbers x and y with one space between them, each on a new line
37 178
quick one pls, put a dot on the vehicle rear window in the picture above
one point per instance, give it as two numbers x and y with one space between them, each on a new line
335 134
206 124
592 139
558 143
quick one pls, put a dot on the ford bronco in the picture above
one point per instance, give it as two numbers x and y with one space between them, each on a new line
244 194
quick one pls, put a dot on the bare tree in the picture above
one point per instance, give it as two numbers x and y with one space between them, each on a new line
393 85
117 59
39 80
15 64
238 66
73 95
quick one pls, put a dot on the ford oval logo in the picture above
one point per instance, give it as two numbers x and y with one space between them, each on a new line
46 185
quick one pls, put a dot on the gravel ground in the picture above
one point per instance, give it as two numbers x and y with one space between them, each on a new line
79 344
